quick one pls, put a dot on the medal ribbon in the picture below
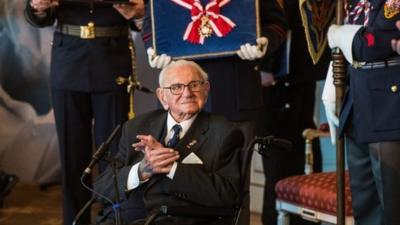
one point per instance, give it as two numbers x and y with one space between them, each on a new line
363 6
219 24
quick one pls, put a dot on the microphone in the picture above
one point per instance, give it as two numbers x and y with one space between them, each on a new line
133 84
270 142
100 151
140 87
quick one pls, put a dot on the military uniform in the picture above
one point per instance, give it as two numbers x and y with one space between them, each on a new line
370 113
84 66
289 109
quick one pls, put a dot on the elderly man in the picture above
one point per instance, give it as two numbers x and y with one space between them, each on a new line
180 156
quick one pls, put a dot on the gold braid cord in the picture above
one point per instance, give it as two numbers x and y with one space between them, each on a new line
131 81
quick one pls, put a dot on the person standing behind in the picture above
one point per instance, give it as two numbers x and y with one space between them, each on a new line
288 109
89 50
370 115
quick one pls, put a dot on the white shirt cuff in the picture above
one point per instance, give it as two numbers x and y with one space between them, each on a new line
133 178
171 173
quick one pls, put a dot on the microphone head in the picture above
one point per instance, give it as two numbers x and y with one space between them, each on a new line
145 90
269 143
140 87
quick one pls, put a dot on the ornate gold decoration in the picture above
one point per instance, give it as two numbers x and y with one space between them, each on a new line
205 29
87 32
131 81
391 8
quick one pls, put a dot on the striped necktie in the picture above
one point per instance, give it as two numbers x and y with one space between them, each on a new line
175 138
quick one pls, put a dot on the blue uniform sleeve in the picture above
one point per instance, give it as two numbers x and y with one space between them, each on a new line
371 44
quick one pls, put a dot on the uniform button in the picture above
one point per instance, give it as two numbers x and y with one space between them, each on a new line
394 88
256 68
287 106
287 84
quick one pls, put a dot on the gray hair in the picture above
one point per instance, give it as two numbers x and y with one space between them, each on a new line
179 63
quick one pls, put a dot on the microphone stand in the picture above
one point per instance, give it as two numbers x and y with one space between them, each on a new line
82 210
101 151
116 204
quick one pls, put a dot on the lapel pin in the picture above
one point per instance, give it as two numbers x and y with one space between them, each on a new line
191 144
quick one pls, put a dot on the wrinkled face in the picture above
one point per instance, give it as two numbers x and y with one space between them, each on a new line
191 100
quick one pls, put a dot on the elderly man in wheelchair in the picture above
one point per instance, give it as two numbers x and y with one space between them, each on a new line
177 159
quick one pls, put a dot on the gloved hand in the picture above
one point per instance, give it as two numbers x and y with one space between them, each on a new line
158 61
329 98
341 36
252 52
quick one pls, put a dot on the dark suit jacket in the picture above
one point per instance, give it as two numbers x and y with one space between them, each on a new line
85 65
370 102
216 183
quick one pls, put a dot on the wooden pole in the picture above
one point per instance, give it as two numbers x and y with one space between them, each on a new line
339 79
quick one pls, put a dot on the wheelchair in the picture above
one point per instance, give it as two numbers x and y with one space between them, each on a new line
219 216
226 216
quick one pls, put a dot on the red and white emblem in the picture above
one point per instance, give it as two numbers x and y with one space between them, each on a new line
205 20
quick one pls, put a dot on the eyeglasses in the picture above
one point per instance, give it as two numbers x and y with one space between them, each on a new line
194 86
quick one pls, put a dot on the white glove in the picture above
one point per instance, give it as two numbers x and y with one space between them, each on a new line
341 36
252 52
158 61
329 98
332 119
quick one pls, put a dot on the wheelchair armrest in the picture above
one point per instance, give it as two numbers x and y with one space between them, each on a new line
192 211
197 211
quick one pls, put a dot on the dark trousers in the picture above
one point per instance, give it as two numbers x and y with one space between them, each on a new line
74 114
375 182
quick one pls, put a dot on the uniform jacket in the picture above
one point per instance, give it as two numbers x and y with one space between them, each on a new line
289 104
235 83
85 65
370 101
215 183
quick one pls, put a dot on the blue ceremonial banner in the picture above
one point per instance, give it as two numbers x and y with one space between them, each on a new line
203 28
317 16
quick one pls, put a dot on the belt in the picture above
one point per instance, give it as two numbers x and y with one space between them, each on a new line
91 31
377 65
